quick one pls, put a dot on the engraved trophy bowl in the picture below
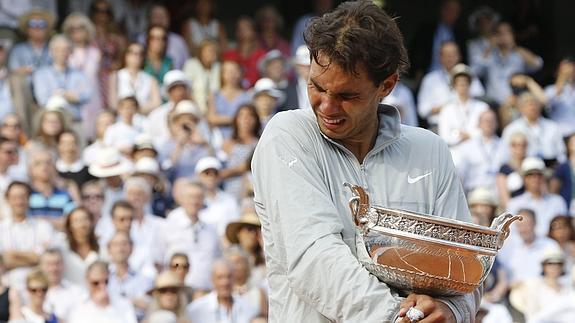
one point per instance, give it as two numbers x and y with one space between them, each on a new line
425 254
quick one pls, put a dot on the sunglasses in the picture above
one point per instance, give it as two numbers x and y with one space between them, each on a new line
166 290
36 290
37 23
180 266
96 283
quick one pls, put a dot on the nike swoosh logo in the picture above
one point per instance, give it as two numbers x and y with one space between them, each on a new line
412 180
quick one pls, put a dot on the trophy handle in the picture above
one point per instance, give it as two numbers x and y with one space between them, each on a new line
501 223
358 204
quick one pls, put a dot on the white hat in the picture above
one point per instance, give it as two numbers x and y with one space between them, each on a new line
175 77
187 107
460 69
144 141
532 165
269 87
302 56
482 195
552 255
208 163
147 165
162 316
57 102
268 57
110 163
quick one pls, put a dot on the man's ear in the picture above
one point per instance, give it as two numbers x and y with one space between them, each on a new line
387 85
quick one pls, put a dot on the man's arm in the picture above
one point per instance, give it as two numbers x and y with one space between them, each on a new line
294 203
16 259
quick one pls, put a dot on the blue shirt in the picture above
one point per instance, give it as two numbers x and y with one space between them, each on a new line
55 205
23 54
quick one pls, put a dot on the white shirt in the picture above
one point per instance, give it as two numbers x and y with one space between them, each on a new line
544 138
206 309
539 298
546 208
477 166
120 310
134 285
140 86
121 135
91 153
199 241
436 90
157 126
61 299
523 261
562 107
401 97
75 267
146 236
457 117
220 210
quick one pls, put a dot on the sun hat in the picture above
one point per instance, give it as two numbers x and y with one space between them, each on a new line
532 165
166 279
482 195
173 78
234 227
147 165
144 141
460 69
110 163
186 107
206 163
36 12
552 256
268 86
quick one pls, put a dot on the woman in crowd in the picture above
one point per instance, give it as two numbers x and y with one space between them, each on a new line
203 26
34 311
270 24
168 295
561 230
223 104
239 148
204 73
104 120
132 80
69 164
246 234
508 180
82 244
51 123
86 57
562 180
11 128
157 62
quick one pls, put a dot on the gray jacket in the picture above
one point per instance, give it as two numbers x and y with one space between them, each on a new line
309 236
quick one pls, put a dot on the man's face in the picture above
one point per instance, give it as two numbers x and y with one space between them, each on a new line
192 199
345 105
488 123
137 196
210 178
122 219
159 16
120 248
222 280
534 182
178 93
98 284
449 55
8 154
526 228
60 52
53 266
530 109
17 198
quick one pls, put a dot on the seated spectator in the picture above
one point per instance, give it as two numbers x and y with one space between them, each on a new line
482 23
224 103
131 80
561 97
270 25
49 125
186 233
543 135
81 246
11 128
502 60
186 144
8 158
34 310
401 97
222 303
62 295
92 152
6 87
60 79
476 158
102 306
122 216
247 52
296 91
50 199
520 83
274 66
127 281
157 63
148 168
22 239
459 118
92 194
266 98
562 179
561 230
246 233
168 296
203 26
221 207
508 180
239 148
8 296
122 134
204 72
69 164
179 264
545 205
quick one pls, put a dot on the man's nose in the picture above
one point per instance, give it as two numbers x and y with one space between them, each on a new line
329 104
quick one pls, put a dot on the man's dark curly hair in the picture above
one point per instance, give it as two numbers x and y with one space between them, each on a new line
358 33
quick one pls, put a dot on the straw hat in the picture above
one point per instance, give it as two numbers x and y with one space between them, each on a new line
166 279
234 227
36 12
110 163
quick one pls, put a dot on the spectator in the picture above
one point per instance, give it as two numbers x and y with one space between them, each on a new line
50 124
148 168
562 179
179 264
177 49
561 97
296 91
435 90
122 217
168 295
247 52
22 239
239 148
246 233
270 25
320 7
561 230
266 99
204 73
101 305
545 205
62 295
204 26
459 118
69 164
186 233
223 104
122 134
157 63
508 180
92 194
273 66
221 207
86 57
401 97
221 304
11 128
520 83
543 135
81 244
8 296
502 60
481 22
477 157
125 280
34 310
6 100
91 153
8 158
61 79
132 80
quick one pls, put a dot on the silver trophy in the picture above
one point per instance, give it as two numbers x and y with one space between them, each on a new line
425 254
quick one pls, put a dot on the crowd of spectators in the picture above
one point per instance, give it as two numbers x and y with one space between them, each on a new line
125 147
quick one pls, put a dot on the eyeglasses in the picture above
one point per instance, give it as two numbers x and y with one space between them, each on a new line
36 290
165 290
93 196
180 266
37 23
96 283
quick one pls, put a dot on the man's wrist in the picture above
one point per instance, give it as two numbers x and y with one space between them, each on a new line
458 317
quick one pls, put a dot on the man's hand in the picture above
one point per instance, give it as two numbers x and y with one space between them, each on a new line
434 310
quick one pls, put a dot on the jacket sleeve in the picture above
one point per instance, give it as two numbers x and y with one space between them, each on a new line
293 200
